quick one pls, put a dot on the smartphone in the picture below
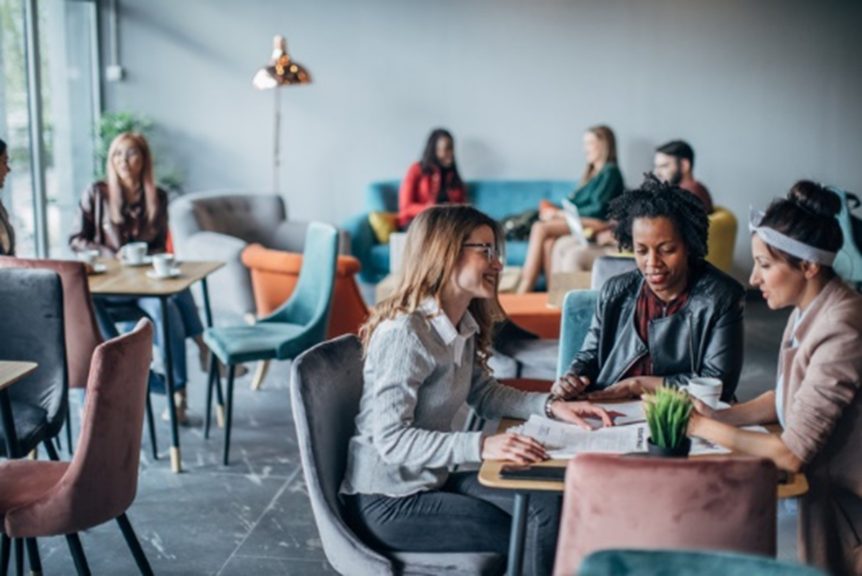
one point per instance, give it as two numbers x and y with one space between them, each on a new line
546 473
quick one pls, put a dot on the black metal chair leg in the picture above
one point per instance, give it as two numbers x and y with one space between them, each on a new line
211 377
52 451
5 552
19 557
228 413
70 448
151 425
134 545
33 557
77 552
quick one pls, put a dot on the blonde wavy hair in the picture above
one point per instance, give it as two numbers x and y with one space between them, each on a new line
431 254
148 182
608 143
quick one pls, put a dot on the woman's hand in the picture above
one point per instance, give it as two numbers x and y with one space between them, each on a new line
695 423
549 213
514 448
701 408
570 386
622 390
575 412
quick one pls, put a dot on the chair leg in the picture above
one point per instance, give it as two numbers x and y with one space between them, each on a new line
259 375
77 552
134 545
19 557
70 448
151 426
52 451
5 551
219 401
33 557
211 381
229 413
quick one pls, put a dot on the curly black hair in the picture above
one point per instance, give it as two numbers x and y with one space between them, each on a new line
655 199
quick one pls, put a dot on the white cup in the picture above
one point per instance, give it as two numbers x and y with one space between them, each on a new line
134 252
163 264
708 390
88 256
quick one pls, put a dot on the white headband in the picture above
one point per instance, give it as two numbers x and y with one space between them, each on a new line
787 244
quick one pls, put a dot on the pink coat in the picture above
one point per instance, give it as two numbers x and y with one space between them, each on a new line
823 425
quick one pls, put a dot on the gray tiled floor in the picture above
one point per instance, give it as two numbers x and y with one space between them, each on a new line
254 516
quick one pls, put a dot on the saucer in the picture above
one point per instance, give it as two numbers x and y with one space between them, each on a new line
145 262
98 269
155 276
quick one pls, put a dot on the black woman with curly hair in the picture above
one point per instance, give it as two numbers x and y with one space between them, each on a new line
674 318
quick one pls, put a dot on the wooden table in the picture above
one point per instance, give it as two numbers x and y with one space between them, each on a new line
489 475
11 372
133 281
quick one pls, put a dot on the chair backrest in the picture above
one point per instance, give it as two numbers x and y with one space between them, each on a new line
722 239
32 329
848 263
102 479
615 501
606 267
325 390
82 330
309 305
248 216
687 563
579 307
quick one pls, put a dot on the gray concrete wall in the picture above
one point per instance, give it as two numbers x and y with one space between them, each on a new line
766 91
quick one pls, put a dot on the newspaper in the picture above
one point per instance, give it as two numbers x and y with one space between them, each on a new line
563 440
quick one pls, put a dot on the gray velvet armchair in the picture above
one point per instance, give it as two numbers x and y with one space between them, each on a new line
217 226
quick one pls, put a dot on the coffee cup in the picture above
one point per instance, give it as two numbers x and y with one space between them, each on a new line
134 252
163 264
88 256
707 390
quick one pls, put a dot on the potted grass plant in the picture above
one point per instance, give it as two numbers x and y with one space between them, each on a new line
667 413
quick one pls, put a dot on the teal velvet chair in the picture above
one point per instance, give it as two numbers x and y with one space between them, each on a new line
687 563
296 326
579 307
848 263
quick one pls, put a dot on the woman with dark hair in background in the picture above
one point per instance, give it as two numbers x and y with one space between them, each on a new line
129 207
601 182
432 180
816 397
674 318
7 233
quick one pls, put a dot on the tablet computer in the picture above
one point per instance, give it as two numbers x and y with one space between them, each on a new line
573 219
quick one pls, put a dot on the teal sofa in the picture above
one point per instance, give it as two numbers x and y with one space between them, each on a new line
497 198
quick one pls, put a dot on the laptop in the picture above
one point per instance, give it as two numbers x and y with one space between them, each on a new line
573 219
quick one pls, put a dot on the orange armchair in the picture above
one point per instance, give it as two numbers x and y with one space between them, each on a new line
274 274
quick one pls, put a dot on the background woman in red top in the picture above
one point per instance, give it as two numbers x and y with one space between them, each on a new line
432 180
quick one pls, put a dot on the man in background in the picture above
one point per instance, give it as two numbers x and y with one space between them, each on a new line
674 163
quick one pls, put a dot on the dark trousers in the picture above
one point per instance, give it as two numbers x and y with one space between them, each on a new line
462 516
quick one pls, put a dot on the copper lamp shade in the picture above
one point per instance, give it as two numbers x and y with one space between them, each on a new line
282 71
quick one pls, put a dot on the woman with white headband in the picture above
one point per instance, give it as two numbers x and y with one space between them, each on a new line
816 398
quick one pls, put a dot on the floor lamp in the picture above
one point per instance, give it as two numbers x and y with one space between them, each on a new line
281 71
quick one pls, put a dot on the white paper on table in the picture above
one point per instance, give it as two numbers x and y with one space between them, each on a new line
632 412
563 440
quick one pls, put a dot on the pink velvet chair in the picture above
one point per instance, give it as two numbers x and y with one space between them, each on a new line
51 498
82 330
616 501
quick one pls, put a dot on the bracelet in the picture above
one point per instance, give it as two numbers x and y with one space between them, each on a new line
551 399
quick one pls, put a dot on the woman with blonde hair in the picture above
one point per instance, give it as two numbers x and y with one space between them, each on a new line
600 183
7 233
426 352
129 207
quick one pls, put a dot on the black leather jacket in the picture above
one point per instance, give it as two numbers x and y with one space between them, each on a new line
704 338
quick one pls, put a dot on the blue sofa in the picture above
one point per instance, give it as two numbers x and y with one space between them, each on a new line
497 198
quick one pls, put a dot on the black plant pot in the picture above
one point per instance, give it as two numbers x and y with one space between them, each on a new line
680 451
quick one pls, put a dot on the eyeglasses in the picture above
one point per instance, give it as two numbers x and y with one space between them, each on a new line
491 252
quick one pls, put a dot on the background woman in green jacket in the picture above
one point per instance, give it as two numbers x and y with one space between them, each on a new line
601 183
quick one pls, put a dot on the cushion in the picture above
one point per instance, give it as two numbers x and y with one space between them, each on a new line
237 344
383 224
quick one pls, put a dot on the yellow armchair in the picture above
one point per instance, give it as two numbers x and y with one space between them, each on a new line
722 238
